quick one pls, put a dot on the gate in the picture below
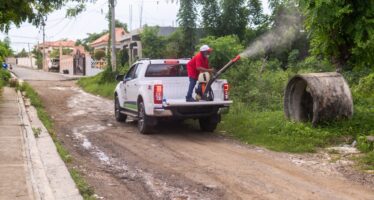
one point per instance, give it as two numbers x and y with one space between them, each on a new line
79 64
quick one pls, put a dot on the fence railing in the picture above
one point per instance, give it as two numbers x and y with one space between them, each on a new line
99 64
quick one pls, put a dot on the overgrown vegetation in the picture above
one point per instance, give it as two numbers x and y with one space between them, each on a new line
4 77
257 88
329 41
85 190
102 84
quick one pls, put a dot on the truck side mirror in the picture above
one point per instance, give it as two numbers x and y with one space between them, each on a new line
119 77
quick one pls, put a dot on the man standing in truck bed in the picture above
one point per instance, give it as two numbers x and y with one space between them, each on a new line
199 63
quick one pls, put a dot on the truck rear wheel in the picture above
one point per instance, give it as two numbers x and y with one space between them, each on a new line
117 111
209 124
143 120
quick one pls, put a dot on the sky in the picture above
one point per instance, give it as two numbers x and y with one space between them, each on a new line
155 12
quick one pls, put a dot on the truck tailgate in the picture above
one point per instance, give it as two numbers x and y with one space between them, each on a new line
182 102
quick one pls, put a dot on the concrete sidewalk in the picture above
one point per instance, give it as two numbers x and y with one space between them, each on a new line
14 175
30 167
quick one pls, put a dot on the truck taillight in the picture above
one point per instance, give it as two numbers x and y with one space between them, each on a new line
158 93
226 91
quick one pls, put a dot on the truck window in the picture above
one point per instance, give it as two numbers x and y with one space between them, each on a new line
131 74
166 70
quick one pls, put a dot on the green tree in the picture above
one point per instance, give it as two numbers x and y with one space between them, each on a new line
174 48
210 16
234 18
5 51
341 30
255 12
38 55
187 21
119 24
22 53
225 48
153 45
32 11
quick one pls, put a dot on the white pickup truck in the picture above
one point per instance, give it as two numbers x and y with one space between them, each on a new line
154 89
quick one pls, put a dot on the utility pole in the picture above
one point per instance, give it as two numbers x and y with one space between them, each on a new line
45 67
141 15
113 25
130 17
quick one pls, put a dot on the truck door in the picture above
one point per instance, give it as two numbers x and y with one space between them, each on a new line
131 88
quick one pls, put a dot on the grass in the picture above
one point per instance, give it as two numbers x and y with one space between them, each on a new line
63 152
97 86
272 130
37 131
86 191
367 161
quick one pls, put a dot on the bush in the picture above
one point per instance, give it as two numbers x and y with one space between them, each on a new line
366 86
99 54
4 77
364 145
154 46
102 84
224 49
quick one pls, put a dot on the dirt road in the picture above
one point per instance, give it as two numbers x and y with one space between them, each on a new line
178 161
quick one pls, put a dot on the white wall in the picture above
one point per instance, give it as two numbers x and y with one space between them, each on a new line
91 70
11 60
66 63
27 62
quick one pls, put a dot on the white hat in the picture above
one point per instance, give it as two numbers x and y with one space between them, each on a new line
205 48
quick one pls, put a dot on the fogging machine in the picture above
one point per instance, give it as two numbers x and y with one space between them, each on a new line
204 89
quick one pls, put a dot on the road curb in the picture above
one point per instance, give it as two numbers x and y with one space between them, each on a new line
38 178
49 175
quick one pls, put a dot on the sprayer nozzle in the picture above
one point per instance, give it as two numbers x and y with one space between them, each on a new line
236 58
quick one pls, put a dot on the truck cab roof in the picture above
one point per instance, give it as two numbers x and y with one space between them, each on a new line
163 61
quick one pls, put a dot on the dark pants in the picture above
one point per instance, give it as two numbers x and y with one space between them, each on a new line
190 88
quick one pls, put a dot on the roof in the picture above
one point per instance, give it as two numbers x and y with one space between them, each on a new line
120 32
62 43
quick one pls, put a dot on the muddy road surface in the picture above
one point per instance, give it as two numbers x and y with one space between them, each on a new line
178 161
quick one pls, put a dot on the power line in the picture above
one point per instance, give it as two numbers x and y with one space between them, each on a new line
19 36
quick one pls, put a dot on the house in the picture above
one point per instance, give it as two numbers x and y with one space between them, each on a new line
50 46
131 43
102 42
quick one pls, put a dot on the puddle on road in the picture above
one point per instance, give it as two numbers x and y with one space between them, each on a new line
60 88
78 133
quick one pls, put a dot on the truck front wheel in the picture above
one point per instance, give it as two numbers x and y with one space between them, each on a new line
144 121
209 124
117 111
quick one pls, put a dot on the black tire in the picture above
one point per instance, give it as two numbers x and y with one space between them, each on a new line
120 117
209 124
143 120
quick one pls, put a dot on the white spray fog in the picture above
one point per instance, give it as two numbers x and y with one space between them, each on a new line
284 33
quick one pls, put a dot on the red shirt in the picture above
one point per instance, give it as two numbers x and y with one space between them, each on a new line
197 61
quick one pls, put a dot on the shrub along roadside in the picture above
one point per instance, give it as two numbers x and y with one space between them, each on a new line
85 190
4 77
102 84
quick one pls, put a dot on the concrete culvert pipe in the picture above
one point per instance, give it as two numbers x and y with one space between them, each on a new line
318 97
